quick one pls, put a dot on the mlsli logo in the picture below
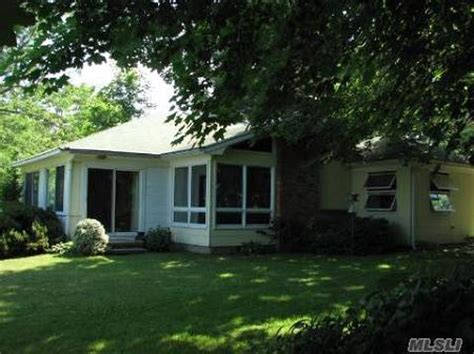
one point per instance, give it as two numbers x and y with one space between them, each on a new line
438 345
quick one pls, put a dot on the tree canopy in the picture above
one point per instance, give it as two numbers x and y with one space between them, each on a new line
31 122
328 73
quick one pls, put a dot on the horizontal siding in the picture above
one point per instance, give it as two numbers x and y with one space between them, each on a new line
157 194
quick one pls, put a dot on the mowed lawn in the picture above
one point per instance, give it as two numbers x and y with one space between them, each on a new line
180 302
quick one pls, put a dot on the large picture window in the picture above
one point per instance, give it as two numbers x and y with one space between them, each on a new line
31 188
243 195
381 190
55 196
190 189
440 193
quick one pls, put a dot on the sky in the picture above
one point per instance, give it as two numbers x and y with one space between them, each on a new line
100 75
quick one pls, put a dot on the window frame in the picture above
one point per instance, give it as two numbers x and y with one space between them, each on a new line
381 191
33 197
243 210
440 190
189 209
59 212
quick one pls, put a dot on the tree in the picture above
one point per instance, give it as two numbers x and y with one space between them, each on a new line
329 73
34 121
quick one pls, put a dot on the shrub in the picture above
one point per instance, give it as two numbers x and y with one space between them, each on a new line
20 217
15 243
384 323
90 238
337 233
158 239
62 248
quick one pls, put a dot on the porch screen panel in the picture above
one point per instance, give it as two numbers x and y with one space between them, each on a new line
99 196
229 186
126 201
32 188
59 189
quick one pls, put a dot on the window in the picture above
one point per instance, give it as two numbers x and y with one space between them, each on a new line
243 195
113 198
31 188
440 193
56 188
381 191
190 189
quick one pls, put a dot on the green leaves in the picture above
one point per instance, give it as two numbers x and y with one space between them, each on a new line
325 72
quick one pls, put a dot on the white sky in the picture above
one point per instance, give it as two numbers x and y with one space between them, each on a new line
100 75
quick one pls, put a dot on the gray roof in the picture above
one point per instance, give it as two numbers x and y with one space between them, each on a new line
144 136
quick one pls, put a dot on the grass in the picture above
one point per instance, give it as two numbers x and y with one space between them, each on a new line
180 302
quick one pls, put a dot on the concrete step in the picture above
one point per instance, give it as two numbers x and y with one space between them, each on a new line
116 244
124 251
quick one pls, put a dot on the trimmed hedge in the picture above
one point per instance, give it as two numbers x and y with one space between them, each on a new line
337 234
158 239
90 238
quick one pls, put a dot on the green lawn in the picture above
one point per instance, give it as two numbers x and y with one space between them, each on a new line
179 302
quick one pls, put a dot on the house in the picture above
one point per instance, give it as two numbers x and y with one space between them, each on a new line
220 194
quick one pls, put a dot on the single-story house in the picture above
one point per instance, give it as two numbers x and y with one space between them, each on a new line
220 194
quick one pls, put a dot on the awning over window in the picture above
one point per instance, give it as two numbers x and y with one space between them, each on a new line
442 182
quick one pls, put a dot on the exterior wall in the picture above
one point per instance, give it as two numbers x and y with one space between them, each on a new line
231 236
297 182
335 182
195 235
157 197
445 227
400 217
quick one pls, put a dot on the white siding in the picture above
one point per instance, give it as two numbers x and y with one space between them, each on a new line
157 194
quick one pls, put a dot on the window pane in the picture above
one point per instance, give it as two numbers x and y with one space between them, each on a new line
59 188
99 196
381 201
381 181
51 188
181 187
126 201
258 187
198 186
441 182
440 202
180 216
228 218
258 218
198 218
31 188
229 186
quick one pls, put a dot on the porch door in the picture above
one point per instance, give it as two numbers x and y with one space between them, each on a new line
113 199
99 196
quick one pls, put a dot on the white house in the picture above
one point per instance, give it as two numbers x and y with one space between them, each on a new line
132 178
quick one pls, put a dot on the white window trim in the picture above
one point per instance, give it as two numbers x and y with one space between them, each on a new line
140 204
57 212
189 209
381 191
244 209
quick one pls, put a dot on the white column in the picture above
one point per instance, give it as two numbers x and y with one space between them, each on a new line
67 196
43 188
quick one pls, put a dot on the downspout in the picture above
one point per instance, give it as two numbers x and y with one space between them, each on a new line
412 208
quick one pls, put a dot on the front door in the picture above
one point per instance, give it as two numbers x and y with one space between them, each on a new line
113 199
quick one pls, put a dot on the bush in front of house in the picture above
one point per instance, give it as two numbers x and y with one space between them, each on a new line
337 234
90 238
385 322
158 239
21 217
26 230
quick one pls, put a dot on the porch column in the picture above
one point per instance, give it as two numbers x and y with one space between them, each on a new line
43 188
67 196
